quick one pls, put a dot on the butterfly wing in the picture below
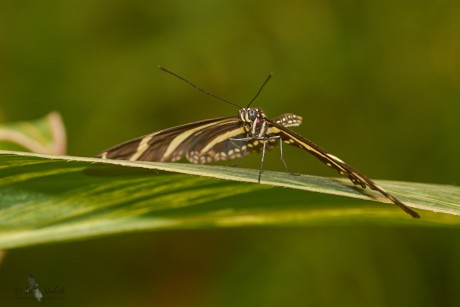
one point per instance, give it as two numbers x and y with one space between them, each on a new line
172 144
215 143
288 120
290 137
200 142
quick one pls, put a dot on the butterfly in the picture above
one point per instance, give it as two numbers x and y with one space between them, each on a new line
226 138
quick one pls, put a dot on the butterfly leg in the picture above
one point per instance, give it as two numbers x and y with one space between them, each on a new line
281 155
262 160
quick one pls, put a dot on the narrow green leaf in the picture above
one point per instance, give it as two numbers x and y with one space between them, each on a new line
47 199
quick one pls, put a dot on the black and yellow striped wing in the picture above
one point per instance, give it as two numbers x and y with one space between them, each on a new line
187 140
200 142
290 137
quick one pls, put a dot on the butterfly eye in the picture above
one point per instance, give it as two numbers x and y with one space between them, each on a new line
251 114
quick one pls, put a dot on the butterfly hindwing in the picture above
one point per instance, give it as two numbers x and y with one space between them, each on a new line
212 145
288 120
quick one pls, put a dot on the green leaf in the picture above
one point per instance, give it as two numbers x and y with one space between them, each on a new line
47 199
45 135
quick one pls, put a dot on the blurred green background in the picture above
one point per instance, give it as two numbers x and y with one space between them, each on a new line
378 84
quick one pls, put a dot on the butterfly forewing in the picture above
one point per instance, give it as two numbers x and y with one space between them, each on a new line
290 137
174 143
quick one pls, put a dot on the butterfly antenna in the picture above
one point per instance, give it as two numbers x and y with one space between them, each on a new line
270 75
198 88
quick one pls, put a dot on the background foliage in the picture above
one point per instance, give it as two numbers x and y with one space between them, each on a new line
378 84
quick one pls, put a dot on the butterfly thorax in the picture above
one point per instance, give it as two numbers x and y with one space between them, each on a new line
254 121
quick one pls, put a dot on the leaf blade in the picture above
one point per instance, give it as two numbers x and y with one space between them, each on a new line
48 199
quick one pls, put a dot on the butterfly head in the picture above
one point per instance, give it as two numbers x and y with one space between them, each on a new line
251 115
254 121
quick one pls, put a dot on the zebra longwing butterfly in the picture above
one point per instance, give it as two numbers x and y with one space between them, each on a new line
227 138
